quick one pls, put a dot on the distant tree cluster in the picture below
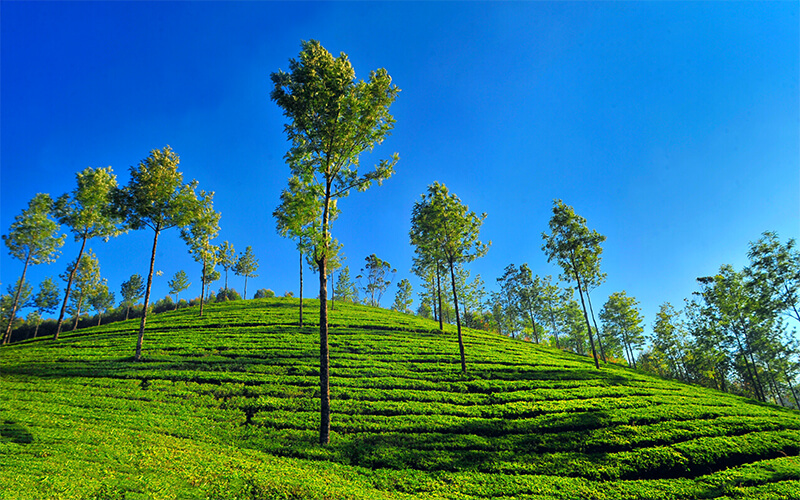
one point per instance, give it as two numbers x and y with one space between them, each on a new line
156 198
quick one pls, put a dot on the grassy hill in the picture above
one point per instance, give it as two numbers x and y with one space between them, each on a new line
225 407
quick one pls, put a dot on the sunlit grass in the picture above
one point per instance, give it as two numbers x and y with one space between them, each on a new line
226 406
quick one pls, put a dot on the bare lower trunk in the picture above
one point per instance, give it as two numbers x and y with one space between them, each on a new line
597 330
324 358
301 289
7 337
439 292
585 315
138 355
458 320
78 314
69 285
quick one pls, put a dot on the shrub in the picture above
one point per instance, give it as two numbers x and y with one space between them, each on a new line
264 293
165 304
225 295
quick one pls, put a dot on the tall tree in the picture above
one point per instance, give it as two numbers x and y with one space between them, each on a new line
246 266
774 273
46 300
444 228
86 278
332 119
89 212
737 312
203 228
577 251
226 257
622 320
177 284
375 274
345 289
403 298
669 343
101 300
132 290
32 238
156 198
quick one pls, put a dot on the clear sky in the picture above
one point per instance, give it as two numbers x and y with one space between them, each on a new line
673 128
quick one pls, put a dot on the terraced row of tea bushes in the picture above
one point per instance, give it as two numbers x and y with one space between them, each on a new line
241 382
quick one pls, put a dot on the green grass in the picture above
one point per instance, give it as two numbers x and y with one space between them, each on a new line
226 407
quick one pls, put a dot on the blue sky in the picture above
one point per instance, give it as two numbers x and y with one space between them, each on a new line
673 128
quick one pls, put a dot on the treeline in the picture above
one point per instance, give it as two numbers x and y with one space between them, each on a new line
155 199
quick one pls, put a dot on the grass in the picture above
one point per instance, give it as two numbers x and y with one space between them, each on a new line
226 407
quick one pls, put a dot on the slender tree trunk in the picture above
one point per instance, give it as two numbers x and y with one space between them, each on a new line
99 317
439 292
7 337
458 319
791 388
69 285
245 287
139 341
36 332
755 385
597 330
203 285
553 321
128 311
533 322
324 353
585 315
78 315
301 289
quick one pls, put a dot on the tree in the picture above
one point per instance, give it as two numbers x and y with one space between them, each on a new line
46 300
669 343
446 230
156 198
577 251
23 293
203 228
264 293
375 272
226 257
132 290
775 272
33 238
403 299
89 212
211 275
101 300
177 284
622 320
332 120
86 278
246 266
345 289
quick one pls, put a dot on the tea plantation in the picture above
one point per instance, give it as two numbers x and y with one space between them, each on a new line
226 407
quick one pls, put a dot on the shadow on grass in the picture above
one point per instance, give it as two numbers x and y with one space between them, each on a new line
15 433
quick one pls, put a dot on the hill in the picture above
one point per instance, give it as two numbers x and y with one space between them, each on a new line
224 407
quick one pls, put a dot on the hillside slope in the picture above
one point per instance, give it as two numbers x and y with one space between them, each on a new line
225 407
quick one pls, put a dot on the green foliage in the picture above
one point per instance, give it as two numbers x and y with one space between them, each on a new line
157 198
246 266
226 294
375 274
403 298
178 283
623 322
345 289
264 293
32 238
46 300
